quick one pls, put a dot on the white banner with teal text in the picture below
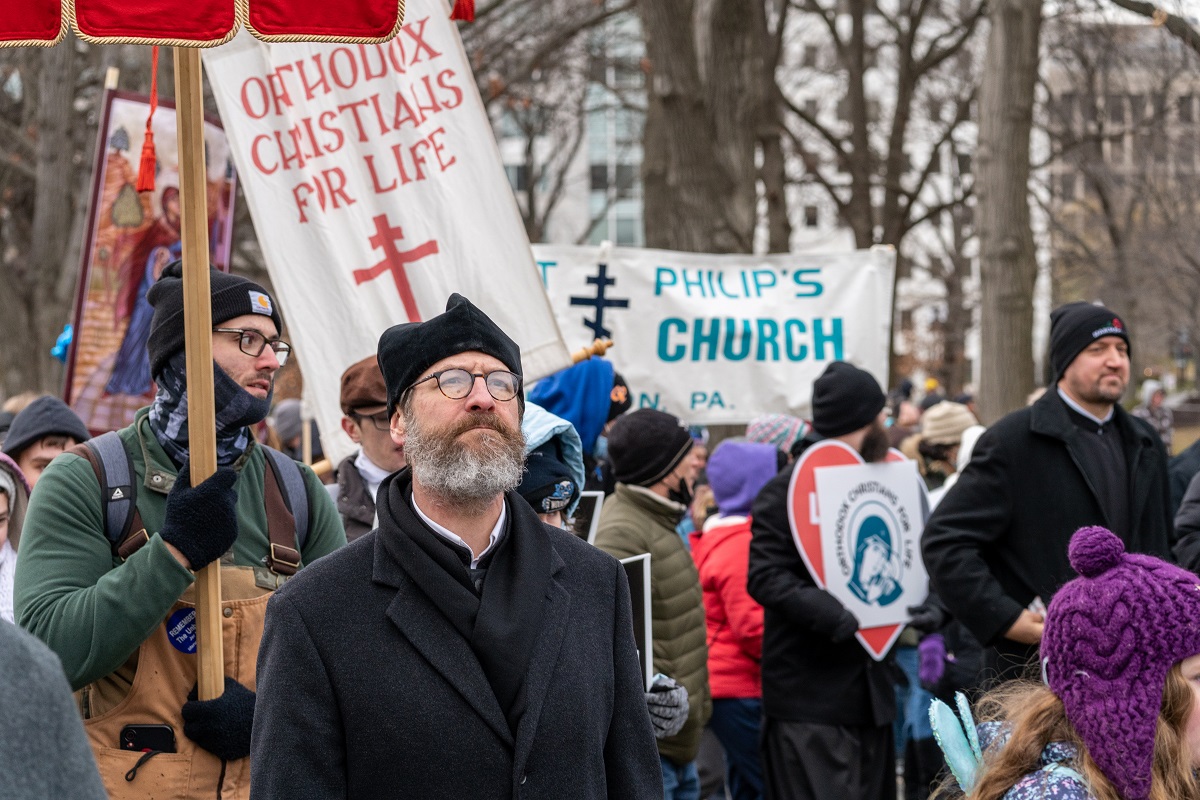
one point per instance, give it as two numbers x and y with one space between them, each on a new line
720 339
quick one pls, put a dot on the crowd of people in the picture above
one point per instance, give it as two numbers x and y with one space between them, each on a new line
421 620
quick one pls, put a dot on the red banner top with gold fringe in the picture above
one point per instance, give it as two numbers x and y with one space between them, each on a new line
200 23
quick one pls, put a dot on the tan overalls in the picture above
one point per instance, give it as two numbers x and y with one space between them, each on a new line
151 688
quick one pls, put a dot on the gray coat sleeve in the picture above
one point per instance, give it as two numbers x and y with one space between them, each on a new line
297 749
631 766
45 752
1187 527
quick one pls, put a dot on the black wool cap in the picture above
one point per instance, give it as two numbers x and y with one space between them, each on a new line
1076 325
46 416
645 445
232 296
407 350
845 398
547 485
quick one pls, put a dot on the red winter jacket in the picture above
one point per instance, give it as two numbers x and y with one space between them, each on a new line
734 620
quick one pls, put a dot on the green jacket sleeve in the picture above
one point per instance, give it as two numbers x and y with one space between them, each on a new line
67 590
325 531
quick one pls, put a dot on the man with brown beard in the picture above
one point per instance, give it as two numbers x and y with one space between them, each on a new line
996 546
463 648
827 705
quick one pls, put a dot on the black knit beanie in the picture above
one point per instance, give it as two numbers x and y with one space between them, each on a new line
408 349
1076 325
232 296
548 485
845 398
645 445
45 416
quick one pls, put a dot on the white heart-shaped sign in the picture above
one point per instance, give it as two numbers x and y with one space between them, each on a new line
866 551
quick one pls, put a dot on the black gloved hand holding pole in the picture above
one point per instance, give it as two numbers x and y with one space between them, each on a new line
221 726
201 521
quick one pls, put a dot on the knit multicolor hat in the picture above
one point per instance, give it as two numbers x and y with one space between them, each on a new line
1111 636
781 430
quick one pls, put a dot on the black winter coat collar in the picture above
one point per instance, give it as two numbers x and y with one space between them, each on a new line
498 626
1050 416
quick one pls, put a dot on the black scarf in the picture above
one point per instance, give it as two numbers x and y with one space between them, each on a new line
235 409
501 626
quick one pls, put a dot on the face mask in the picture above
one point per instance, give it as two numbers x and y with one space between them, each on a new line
681 494
600 451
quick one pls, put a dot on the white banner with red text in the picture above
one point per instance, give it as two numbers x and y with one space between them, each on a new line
720 339
377 190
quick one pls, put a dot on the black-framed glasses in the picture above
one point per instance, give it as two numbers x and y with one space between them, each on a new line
252 343
457 383
380 420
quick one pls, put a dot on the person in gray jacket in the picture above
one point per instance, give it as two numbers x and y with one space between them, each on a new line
45 752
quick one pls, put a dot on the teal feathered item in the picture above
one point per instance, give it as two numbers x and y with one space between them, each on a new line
955 735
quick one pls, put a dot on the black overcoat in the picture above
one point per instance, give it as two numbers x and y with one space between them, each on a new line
999 537
366 690
807 676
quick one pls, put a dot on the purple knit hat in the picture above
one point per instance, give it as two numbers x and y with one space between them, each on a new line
1111 636
737 471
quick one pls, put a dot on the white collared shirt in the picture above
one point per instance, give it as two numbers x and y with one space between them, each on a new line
1080 409
451 536
372 474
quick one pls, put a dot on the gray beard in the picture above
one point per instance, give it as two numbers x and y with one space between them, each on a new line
468 476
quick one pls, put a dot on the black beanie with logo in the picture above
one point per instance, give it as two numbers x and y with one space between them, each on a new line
232 296
1075 326
845 398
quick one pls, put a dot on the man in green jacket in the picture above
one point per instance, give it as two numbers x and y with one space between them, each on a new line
651 454
116 606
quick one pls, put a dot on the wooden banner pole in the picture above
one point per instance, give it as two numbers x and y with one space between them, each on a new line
197 316
597 348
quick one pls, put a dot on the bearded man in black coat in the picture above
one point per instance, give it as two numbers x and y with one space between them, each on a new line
464 648
996 546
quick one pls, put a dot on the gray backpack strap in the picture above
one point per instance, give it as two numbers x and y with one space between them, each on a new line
295 492
119 492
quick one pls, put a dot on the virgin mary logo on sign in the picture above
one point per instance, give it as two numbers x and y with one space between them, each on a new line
858 528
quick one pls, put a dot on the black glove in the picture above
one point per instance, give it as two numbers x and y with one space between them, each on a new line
201 521
221 726
927 617
847 626
668 705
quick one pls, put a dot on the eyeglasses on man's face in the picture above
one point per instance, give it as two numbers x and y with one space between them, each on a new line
457 383
252 343
379 421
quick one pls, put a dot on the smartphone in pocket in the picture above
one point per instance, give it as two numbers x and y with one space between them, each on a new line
146 738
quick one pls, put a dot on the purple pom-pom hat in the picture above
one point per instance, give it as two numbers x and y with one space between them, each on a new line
1111 636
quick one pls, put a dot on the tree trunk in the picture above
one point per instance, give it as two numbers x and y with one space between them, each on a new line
695 198
958 319
1008 267
50 291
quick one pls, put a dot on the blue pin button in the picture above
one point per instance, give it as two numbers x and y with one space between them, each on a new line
181 630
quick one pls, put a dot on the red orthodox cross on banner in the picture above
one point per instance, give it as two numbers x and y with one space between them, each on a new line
385 238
